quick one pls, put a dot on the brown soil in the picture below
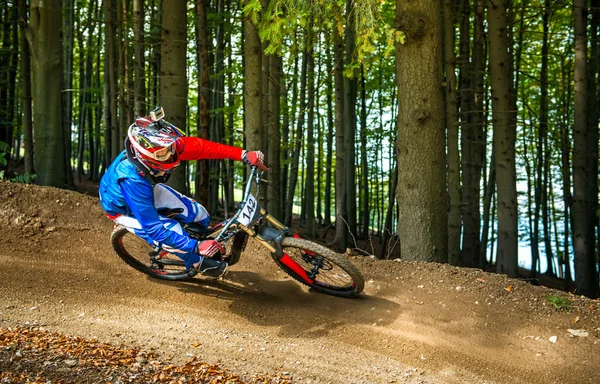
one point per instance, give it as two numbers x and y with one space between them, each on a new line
414 323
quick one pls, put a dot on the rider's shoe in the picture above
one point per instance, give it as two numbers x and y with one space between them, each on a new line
212 268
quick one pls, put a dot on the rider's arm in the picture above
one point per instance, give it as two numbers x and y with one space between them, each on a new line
194 148
139 198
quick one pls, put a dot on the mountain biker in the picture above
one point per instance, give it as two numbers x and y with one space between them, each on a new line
132 190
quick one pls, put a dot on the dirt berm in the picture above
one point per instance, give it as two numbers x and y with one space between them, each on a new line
414 323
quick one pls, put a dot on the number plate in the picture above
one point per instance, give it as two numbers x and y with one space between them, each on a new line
249 212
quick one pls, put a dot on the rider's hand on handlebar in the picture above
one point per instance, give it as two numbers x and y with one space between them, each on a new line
209 248
254 158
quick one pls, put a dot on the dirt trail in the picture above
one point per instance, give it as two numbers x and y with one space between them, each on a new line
415 322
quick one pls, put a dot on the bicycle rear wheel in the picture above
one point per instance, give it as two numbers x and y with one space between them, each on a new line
143 257
320 268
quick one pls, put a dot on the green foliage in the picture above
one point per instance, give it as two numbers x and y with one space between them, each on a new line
372 25
4 149
25 178
252 9
560 303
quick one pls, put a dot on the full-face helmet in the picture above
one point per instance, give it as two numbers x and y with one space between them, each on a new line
154 141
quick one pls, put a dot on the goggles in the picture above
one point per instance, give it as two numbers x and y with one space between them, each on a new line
163 154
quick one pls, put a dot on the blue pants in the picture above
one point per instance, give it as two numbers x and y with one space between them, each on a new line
167 197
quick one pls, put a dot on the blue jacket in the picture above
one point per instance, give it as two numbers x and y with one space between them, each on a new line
124 191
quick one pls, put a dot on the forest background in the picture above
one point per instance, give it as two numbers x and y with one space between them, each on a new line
433 130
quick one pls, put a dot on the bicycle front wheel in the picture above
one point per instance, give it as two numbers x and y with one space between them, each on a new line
319 267
143 257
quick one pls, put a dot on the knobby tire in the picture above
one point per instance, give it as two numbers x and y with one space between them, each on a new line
325 281
117 236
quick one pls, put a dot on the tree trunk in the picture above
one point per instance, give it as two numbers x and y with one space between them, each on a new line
350 95
504 138
532 204
540 149
544 149
12 78
310 140
454 215
465 99
230 133
154 62
44 39
173 88
586 276
488 197
202 177
593 122
111 121
478 146
384 252
27 98
288 115
341 240
92 49
421 192
4 65
330 134
566 166
298 139
365 211
100 164
83 87
106 120
252 91
140 61
320 141
274 134
266 110
68 38
122 29
85 84
96 149
217 103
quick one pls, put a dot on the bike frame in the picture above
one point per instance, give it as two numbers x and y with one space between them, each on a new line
250 214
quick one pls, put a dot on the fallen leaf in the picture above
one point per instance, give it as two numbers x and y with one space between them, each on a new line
509 288
576 319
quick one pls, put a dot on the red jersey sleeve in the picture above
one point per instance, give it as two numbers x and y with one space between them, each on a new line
194 148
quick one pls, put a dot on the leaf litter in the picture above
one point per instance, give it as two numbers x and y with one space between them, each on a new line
33 355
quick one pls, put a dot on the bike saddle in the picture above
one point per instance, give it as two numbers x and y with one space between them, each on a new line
197 229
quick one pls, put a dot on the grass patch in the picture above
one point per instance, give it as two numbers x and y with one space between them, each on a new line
559 303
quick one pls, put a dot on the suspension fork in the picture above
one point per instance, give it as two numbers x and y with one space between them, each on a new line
276 223
279 225
273 247
271 236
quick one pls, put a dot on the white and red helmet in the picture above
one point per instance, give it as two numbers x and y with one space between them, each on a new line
154 142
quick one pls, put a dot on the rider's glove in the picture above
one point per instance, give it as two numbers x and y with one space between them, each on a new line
254 158
209 248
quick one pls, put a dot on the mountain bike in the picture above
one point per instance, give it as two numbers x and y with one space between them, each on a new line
310 263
